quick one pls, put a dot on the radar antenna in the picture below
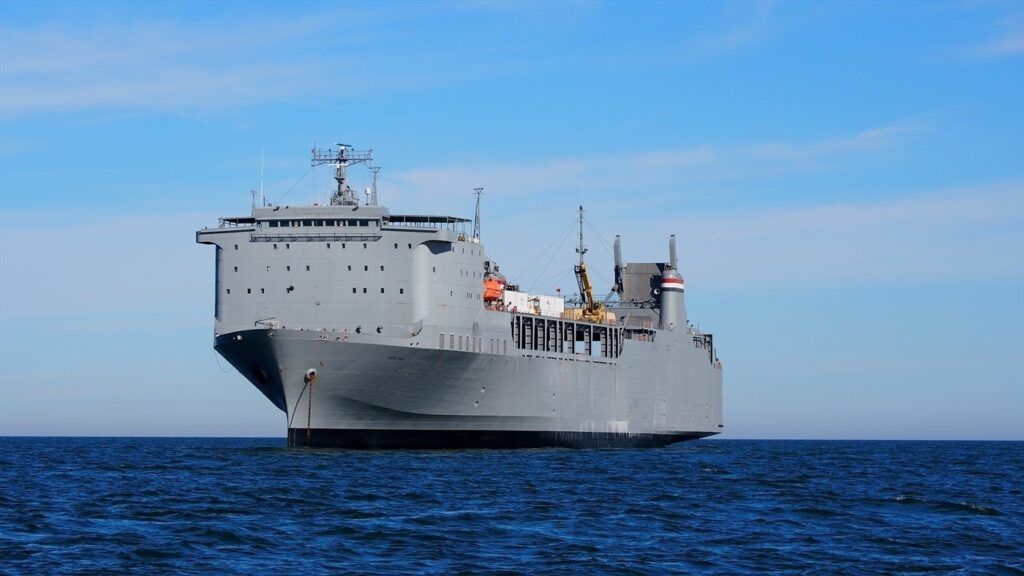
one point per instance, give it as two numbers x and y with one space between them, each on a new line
476 219
345 156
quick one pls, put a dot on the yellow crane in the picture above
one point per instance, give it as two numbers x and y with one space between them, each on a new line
592 311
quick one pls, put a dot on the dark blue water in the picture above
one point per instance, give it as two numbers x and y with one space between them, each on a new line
251 506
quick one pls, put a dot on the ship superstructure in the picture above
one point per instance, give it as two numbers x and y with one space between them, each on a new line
380 330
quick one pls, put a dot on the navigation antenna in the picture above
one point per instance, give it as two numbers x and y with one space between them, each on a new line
373 187
345 156
476 220
592 311
581 250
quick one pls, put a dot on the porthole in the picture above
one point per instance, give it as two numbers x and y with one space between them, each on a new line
364 290
307 268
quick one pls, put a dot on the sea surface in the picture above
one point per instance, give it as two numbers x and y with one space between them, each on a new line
252 506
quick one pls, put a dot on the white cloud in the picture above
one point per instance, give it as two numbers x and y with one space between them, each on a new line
1007 45
620 173
1007 41
959 235
962 235
866 141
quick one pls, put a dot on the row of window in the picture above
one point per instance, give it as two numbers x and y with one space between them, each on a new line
335 223
291 289
288 268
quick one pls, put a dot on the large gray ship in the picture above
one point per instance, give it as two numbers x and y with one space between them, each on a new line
370 329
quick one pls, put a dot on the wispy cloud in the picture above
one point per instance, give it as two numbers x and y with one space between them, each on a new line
871 140
1007 40
154 65
966 234
615 173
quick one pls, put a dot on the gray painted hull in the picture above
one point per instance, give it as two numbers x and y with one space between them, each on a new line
375 393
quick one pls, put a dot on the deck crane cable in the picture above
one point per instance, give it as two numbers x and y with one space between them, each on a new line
550 259
550 280
543 252
296 183
604 241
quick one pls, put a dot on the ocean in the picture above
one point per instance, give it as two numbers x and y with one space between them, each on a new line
252 506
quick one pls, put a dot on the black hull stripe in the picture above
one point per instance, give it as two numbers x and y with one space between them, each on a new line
445 439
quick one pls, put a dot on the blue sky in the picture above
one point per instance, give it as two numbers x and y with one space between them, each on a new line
846 181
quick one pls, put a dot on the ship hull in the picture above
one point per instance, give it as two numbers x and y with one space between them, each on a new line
372 392
375 439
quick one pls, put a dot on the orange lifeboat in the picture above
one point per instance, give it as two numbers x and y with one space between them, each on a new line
493 288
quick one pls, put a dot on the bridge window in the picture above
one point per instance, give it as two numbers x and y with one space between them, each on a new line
248 290
307 268
364 290
381 290
353 290
401 290
381 268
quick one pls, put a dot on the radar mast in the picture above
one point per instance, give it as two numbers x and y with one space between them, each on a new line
476 218
346 156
